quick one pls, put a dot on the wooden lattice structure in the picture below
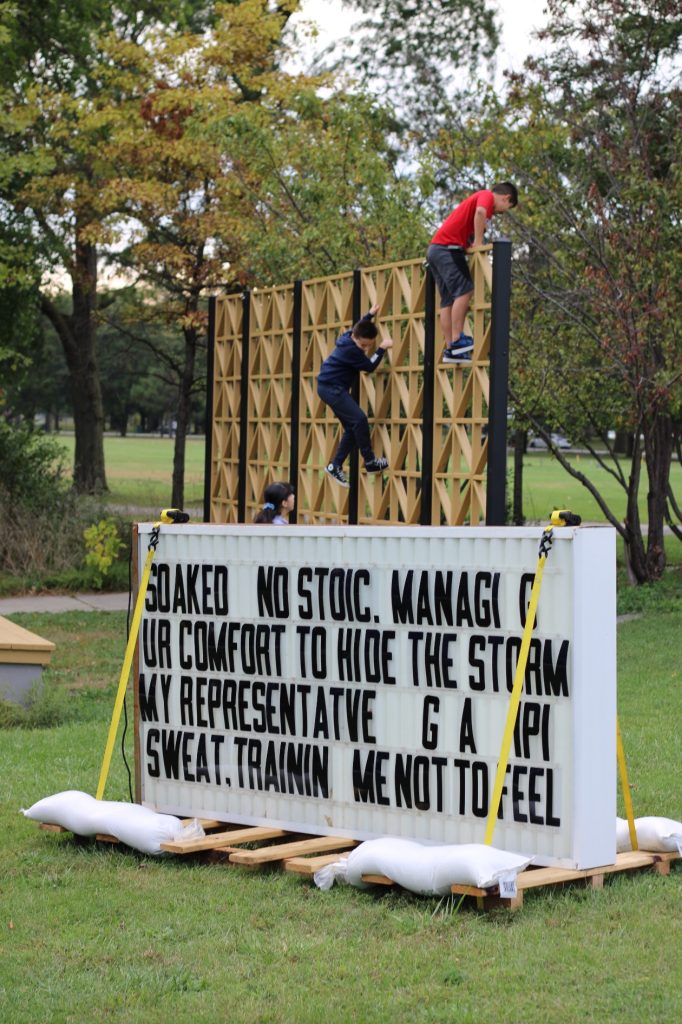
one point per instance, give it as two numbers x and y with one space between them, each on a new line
433 422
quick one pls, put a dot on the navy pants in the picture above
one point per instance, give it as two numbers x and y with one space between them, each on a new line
353 420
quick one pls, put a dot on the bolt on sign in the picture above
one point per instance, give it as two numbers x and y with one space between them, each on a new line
355 681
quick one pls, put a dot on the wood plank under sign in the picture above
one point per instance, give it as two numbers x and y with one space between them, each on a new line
309 865
269 854
217 840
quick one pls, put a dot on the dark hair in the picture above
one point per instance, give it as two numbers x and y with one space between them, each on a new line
275 495
505 188
365 329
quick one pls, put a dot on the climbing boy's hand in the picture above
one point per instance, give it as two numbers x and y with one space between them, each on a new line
374 310
386 343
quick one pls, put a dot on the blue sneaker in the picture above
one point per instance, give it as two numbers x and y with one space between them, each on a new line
459 351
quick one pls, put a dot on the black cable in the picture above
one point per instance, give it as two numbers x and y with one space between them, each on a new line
125 698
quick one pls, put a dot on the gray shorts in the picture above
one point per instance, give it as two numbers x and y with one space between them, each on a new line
451 272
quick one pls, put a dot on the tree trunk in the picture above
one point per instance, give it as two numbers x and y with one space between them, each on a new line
184 413
517 500
635 554
658 446
88 470
78 337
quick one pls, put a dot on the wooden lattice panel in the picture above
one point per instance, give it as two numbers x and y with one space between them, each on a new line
393 394
268 420
326 311
461 412
267 435
227 375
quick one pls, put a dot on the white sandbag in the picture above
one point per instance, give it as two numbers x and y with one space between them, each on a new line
654 834
431 869
138 827
623 843
73 810
330 873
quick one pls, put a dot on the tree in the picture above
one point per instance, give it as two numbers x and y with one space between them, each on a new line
423 55
235 171
590 133
54 96
175 180
320 188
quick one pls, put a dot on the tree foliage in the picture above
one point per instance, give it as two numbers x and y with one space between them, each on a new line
231 171
54 94
590 132
425 55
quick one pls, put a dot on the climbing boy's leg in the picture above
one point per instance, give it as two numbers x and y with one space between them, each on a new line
458 312
450 270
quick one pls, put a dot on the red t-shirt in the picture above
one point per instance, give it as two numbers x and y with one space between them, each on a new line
458 228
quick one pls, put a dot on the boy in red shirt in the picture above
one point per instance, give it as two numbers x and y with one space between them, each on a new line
446 256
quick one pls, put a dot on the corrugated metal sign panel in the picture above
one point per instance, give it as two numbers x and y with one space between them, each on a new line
356 681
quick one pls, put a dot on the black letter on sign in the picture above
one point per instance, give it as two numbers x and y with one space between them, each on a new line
525 585
429 730
466 729
148 711
273 592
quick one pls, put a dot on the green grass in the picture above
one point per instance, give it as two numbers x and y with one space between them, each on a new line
546 485
139 473
139 470
91 933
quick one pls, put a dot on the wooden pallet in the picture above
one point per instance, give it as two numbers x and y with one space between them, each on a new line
206 823
228 841
304 855
532 878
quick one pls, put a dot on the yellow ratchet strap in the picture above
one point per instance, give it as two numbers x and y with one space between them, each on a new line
127 661
514 700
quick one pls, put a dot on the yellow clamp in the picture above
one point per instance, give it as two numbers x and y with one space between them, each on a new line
174 515
562 517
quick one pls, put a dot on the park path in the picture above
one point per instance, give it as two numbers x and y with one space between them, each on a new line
64 603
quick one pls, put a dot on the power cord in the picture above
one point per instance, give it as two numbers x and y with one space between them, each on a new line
125 699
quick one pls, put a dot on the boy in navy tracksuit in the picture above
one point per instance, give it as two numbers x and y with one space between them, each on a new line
337 374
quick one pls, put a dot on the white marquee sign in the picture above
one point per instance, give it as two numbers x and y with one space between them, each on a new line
355 681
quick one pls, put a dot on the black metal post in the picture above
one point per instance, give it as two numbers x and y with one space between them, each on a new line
244 407
295 389
208 428
426 507
499 382
354 490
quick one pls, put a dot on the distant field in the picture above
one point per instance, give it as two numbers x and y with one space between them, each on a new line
139 473
139 469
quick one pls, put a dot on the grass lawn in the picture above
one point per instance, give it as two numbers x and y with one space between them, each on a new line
546 485
139 475
94 933
139 470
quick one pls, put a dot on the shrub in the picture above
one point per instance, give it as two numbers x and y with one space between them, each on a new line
103 547
45 708
43 522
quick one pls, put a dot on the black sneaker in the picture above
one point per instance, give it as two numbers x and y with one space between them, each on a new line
460 351
336 473
376 465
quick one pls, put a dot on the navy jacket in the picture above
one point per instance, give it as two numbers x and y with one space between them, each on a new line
346 361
